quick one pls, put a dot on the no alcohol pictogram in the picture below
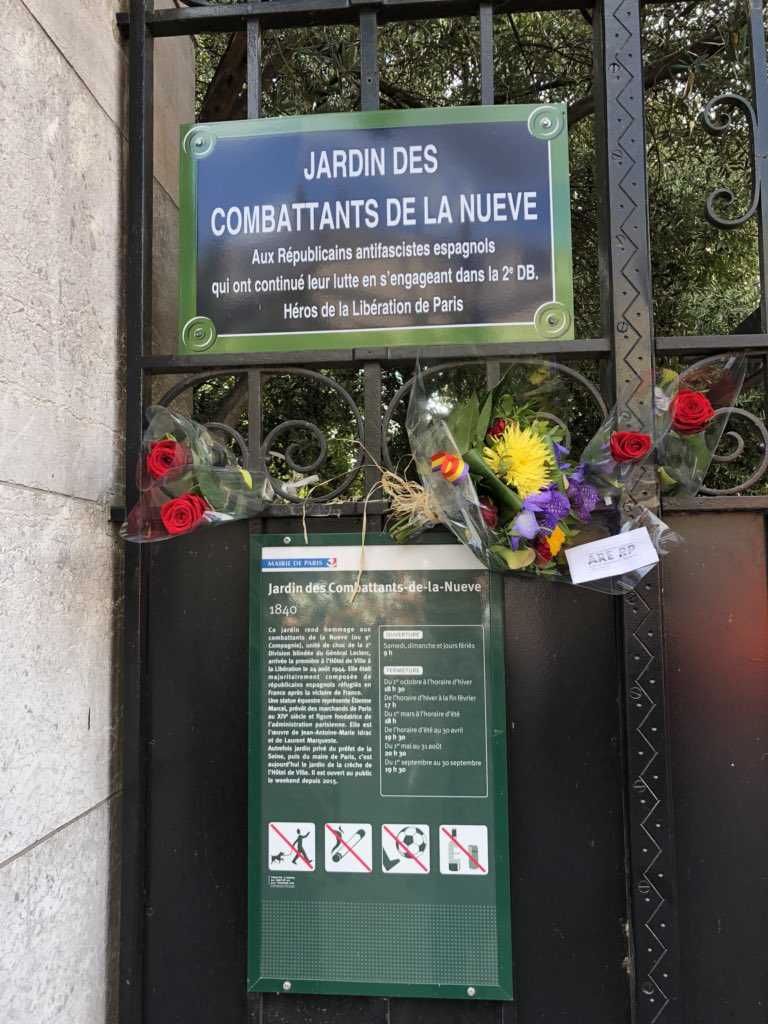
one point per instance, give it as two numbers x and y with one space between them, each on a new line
464 850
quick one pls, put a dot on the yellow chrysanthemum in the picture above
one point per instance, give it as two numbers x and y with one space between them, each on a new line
521 458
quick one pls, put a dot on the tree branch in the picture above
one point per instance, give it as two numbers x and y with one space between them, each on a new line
670 66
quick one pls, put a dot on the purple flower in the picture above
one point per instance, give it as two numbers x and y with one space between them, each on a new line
560 452
584 498
550 503
526 524
514 543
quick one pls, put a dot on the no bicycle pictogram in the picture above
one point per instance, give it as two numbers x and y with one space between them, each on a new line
291 846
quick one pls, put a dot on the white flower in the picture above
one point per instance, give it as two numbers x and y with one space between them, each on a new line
660 400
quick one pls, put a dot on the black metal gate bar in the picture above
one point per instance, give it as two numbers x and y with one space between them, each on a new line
305 13
626 297
760 144
135 696
759 74
579 349
253 68
486 53
369 65
372 384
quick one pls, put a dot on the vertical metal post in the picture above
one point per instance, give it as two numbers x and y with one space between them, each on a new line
138 342
627 312
369 63
253 109
485 12
253 67
253 84
760 142
486 53
369 100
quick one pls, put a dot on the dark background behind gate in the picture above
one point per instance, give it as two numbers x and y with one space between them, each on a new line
567 843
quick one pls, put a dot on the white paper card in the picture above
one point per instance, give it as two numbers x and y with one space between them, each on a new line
611 556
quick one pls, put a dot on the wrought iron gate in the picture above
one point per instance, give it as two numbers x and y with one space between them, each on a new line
183 841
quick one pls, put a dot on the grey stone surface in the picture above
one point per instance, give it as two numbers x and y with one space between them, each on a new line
86 32
56 944
57 728
62 77
61 286
165 263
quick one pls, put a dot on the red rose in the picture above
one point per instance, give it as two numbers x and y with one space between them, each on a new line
489 512
180 515
629 446
164 456
543 553
691 412
497 428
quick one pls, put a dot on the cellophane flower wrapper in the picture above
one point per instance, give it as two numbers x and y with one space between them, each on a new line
456 503
693 409
201 484
593 512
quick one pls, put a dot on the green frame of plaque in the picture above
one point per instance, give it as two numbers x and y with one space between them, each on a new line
553 320
497 796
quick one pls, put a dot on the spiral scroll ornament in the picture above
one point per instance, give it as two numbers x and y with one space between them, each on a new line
313 433
717 118
737 450
571 376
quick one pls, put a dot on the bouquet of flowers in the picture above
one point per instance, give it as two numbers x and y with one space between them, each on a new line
188 479
498 470
695 406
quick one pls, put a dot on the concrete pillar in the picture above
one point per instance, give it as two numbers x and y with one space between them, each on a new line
62 79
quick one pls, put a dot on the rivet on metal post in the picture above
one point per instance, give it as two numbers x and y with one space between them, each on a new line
287 540
471 991
287 986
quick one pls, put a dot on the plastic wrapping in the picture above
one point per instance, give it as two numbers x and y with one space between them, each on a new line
499 471
187 480
693 409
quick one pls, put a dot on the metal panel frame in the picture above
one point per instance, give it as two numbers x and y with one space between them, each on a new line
628 341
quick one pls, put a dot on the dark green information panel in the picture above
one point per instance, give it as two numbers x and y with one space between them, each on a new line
378 804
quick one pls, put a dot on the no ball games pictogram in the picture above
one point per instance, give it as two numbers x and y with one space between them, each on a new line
288 843
464 850
350 849
409 853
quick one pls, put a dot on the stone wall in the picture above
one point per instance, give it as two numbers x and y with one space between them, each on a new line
62 78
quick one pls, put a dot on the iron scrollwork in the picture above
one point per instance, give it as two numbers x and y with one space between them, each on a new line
291 454
571 375
291 457
738 448
717 118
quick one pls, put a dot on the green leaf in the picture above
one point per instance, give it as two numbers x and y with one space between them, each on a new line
515 559
462 422
483 422
504 497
